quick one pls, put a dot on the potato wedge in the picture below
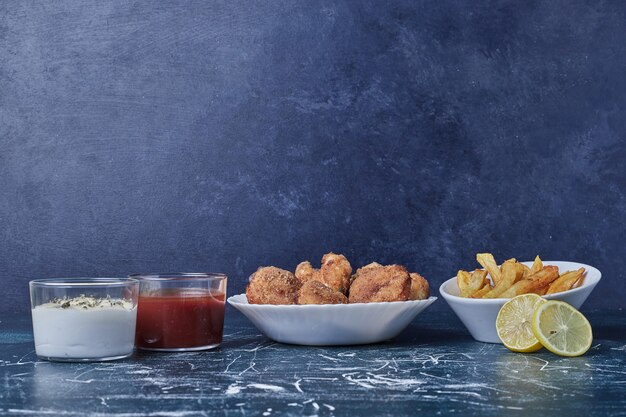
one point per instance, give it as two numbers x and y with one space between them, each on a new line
462 280
509 276
472 282
533 283
478 280
565 281
489 263
526 270
520 271
541 291
484 290
480 273
580 281
508 260
537 265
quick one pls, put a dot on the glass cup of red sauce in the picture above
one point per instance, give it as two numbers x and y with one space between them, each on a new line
180 311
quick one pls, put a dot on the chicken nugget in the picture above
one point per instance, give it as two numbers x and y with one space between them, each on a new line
420 289
364 268
367 267
335 272
271 285
314 292
305 272
387 283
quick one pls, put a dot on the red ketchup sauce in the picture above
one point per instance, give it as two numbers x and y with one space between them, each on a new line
180 318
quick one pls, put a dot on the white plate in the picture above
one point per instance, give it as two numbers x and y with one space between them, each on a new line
479 315
331 324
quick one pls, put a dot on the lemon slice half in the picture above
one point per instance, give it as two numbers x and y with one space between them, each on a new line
514 323
562 329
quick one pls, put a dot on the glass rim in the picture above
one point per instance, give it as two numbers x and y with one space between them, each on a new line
84 282
180 276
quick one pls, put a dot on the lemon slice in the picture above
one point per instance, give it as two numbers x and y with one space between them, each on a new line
514 323
562 329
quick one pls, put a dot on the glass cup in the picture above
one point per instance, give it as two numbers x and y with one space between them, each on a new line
84 319
180 311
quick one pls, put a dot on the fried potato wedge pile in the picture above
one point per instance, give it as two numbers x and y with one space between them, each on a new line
513 278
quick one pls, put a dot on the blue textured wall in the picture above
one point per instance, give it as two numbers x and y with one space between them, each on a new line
152 136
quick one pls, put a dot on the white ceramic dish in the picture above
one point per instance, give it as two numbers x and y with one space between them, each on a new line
479 315
331 324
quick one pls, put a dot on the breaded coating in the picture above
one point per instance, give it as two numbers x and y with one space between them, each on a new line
364 268
314 292
335 272
305 272
420 289
271 285
380 284
368 266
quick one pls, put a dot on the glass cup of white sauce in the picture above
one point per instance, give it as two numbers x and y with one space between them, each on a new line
84 319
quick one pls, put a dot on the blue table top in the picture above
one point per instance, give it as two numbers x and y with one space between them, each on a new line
432 368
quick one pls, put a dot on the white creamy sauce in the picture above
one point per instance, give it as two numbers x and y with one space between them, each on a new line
75 329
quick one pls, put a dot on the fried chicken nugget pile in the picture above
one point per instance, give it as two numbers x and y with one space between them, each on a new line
333 283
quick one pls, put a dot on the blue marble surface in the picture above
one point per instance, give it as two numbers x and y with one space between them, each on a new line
217 135
432 369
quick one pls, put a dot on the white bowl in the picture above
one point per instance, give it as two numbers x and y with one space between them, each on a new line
331 324
479 315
